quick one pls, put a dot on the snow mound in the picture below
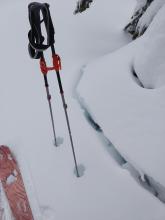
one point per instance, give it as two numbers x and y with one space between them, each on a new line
132 118
149 62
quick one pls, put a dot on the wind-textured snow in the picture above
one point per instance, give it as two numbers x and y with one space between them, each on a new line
105 191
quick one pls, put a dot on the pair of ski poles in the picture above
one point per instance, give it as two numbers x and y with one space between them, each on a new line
36 49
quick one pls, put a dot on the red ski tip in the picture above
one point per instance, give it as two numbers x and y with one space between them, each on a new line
13 186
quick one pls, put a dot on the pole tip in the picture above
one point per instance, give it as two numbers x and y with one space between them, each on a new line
58 141
79 171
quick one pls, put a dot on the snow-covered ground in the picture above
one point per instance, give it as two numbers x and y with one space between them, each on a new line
105 190
149 58
132 117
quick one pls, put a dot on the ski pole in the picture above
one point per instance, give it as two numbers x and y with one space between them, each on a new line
42 64
57 67
36 49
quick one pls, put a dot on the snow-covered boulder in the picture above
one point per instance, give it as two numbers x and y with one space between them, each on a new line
149 61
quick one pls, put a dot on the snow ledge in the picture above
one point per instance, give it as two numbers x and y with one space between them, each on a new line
142 178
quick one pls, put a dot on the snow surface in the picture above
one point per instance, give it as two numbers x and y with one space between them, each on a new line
105 191
131 117
149 58
149 15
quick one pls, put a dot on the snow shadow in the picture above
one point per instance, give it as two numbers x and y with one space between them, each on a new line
136 79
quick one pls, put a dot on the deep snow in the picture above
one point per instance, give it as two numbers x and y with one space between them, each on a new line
132 117
105 191
149 58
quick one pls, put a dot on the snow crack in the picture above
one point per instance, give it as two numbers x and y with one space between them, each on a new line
139 176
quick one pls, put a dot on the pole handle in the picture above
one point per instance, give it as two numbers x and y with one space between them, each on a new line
56 64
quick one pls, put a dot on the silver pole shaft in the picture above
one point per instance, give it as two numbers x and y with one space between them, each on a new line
70 133
50 108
